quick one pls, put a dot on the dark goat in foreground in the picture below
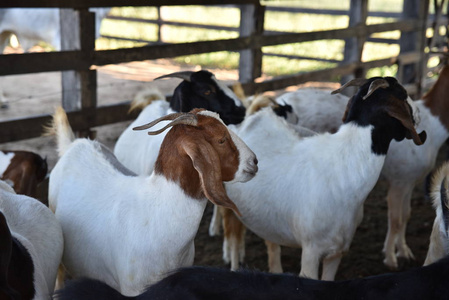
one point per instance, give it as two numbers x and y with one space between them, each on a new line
198 283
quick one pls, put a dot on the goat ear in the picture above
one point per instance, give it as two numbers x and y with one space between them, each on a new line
398 114
207 163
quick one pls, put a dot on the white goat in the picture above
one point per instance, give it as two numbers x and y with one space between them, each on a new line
36 244
32 26
439 238
129 231
309 192
405 165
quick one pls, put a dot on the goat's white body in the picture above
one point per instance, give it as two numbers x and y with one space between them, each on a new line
133 229
37 229
319 203
136 153
405 164
32 25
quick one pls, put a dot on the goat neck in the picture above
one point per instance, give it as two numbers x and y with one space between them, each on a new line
383 109
436 99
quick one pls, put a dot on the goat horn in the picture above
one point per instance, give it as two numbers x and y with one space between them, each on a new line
376 84
183 75
353 82
178 118
169 117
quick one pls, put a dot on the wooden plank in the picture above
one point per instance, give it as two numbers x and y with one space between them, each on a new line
172 23
116 3
31 127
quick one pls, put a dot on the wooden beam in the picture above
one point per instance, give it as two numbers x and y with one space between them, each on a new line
31 127
115 3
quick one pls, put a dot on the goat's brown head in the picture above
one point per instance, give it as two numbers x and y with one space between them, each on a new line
384 104
200 152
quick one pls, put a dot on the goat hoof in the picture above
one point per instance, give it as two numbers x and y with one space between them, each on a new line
406 253
392 264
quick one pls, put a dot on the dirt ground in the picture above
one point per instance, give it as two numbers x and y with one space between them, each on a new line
35 94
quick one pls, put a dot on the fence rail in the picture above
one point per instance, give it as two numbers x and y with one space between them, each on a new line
78 66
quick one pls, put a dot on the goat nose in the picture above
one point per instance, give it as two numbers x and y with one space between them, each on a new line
256 161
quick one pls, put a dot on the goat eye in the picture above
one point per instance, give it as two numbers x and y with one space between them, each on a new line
221 141
207 93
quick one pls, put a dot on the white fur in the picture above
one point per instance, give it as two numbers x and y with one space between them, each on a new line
300 184
37 229
126 231
136 151
5 160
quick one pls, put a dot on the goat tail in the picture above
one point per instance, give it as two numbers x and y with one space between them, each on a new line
144 98
439 187
61 128
88 289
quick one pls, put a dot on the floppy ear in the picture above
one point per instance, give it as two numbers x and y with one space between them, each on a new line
207 163
398 113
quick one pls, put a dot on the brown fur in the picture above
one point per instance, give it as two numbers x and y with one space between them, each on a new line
26 171
436 99
200 158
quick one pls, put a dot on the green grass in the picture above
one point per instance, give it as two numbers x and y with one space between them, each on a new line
277 21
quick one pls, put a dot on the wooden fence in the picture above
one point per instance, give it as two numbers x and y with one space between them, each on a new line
78 72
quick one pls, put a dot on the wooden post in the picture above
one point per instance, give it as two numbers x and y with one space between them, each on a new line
358 12
412 41
251 22
79 88
159 25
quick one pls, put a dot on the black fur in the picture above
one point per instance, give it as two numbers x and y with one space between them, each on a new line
282 110
203 283
203 92
372 111
16 276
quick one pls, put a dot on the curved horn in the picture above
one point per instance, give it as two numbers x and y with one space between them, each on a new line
183 75
353 82
376 84
179 118
169 117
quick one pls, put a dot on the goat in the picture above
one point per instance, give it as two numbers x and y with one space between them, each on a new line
197 90
32 26
405 165
127 231
204 283
31 245
23 170
300 207
439 238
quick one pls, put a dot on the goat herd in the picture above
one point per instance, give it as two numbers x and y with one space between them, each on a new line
121 224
